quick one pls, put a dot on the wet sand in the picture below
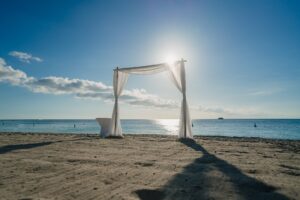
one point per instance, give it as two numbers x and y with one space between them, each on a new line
60 166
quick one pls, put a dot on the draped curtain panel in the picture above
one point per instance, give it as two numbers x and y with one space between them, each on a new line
177 74
119 81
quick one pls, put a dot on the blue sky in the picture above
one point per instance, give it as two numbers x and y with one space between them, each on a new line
243 57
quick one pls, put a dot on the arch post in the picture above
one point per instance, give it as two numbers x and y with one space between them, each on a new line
117 101
183 94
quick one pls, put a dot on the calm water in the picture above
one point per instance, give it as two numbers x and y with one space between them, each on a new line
266 128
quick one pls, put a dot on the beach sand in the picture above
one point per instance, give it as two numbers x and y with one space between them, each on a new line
56 166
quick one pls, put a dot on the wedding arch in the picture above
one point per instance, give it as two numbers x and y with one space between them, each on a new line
177 74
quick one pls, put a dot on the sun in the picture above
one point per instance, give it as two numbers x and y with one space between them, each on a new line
170 59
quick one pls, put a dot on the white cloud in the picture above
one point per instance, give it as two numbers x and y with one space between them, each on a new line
80 88
240 112
265 92
8 74
24 57
216 110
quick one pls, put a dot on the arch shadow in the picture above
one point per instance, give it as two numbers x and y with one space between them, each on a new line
202 180
9 148
14 147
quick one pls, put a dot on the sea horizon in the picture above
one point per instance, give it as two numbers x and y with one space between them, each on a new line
262 128
271 118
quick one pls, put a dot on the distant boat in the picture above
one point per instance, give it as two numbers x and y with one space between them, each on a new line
220 118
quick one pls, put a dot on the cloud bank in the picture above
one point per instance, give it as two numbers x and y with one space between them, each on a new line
229 112
80 88
24 57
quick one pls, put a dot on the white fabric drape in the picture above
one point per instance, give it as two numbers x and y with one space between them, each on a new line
119 81
177 73
149 69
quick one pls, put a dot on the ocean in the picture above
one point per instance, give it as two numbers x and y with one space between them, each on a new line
266 128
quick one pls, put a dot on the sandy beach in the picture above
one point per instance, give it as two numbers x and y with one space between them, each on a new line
60 166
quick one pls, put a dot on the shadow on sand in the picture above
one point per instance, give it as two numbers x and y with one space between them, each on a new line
210 177
14 147
9 148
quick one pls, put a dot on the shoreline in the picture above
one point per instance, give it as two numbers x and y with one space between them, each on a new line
154 135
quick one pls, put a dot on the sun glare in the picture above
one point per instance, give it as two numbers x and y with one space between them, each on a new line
170 59
170 125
